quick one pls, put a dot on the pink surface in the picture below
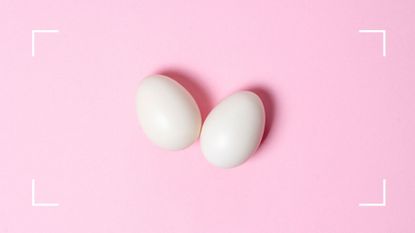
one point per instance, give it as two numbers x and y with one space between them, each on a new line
341 116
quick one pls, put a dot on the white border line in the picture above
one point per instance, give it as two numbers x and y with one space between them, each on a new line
40 31
383 37
34 204
383 204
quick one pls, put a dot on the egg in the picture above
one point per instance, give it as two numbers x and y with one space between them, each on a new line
167 113
233 130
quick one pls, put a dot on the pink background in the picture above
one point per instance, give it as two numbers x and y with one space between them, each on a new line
340 116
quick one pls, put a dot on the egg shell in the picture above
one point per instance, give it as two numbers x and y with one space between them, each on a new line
167 113
233 130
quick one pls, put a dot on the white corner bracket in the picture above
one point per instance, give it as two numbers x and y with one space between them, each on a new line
40 31
383 37
383 203
34 204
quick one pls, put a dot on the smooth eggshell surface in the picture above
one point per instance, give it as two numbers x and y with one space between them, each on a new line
233 130
167 113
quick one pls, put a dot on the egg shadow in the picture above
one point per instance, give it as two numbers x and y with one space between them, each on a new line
269 100
189 81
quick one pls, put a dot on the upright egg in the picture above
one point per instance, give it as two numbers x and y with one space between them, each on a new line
167 113
233 130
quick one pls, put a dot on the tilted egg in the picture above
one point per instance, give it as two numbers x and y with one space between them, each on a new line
233 130
167 113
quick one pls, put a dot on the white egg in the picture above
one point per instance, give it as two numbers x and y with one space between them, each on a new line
167 113
233 130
